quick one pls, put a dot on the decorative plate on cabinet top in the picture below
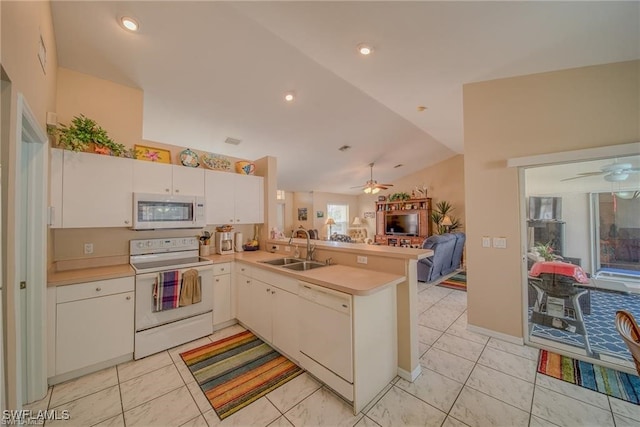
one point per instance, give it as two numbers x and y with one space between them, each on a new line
189 158
216 162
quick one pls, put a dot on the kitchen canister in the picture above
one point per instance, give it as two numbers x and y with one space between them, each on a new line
239 242
245 168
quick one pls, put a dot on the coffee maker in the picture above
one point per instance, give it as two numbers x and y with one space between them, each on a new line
224 242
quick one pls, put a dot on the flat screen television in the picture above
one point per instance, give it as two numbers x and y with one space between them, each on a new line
545 208
401 224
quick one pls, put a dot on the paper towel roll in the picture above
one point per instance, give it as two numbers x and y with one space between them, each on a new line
239 242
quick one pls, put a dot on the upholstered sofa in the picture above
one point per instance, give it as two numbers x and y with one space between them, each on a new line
358 235
446 258
335 237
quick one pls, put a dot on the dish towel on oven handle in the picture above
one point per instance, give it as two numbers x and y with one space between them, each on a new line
166 290
191 291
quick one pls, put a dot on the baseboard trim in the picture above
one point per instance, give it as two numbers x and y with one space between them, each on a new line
410 376
496 334
57 379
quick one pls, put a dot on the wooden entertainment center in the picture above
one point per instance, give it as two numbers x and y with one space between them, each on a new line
397 210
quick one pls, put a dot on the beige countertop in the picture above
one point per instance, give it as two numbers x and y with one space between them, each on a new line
358 248
351 280
90 274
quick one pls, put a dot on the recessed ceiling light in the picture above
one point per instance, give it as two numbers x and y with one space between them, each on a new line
129 23
289 96
365 49
421 108
399 165
344 148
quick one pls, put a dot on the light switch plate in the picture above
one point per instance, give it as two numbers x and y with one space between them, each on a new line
500 242
486 242
361 259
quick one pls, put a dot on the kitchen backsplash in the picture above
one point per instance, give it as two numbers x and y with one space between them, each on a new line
68 244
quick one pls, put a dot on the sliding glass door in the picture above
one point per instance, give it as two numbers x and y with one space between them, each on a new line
583 256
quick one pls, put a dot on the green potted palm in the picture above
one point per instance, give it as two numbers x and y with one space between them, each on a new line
442 218
85 132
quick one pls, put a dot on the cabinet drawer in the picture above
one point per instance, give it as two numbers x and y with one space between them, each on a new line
278 280
243 269
224 268
98 288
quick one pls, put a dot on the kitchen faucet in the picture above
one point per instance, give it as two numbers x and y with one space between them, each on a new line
310 248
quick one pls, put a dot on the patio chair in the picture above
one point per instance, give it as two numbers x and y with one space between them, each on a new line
630 333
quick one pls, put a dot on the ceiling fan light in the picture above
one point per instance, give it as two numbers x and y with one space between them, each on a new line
616 177
628 195
375 190
367 190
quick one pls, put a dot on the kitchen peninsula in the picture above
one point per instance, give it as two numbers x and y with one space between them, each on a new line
377 259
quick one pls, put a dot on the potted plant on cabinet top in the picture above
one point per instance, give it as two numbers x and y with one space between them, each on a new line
83 132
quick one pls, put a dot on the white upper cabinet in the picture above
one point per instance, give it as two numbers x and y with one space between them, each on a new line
55 187
160 178
96 190
91 190
234 198
188 181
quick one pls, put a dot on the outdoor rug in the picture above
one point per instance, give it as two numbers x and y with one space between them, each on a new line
235 371
457 281
598 378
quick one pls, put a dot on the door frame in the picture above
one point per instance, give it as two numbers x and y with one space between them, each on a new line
523 163
31 141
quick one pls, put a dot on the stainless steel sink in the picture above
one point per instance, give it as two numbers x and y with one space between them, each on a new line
304 265
282 261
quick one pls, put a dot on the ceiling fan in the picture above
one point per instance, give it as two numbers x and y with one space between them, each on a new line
372 186
614 172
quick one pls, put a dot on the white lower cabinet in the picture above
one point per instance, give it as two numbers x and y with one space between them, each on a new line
349 342
267 306
222 301
94 324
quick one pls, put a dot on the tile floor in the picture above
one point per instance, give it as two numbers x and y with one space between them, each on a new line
467 379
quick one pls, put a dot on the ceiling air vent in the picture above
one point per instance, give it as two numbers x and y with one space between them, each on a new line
232 141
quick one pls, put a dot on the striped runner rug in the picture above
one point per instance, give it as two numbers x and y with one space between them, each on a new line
598 378
457 281
235 371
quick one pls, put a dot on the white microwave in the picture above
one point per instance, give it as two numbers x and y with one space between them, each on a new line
153 211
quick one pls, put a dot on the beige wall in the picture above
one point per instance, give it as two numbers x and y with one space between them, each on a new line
444 181
521 116
115 107
22 25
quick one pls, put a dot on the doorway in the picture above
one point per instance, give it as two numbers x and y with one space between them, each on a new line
582 215
27 240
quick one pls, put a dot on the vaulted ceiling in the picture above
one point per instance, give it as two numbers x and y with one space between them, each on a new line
212 70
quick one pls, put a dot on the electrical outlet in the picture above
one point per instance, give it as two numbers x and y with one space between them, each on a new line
361 259
287 248
486 242
88 248
275 248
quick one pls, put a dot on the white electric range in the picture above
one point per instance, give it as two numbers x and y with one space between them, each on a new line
156 331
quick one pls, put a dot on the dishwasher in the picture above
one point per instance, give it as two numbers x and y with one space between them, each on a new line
326 334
